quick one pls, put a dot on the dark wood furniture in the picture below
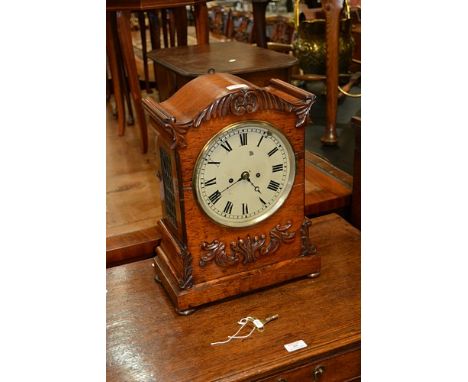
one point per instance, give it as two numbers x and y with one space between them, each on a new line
148 341
177 66
259 10
356 196
123 9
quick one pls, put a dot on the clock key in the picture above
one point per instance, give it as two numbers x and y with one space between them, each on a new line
260 324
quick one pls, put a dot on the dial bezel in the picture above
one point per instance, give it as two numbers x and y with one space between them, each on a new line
280 200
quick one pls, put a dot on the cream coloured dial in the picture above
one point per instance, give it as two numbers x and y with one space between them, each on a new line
244 173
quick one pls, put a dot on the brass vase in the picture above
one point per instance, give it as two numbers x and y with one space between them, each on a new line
310 46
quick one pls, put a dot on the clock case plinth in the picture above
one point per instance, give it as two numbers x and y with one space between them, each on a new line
199 261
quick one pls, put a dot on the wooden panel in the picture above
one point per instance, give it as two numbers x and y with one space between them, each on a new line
132 246
148 341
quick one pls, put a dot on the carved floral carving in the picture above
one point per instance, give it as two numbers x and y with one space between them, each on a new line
248 249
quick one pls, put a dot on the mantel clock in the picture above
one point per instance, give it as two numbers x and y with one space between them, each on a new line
231 165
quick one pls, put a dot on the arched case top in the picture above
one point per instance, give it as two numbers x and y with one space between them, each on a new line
220 94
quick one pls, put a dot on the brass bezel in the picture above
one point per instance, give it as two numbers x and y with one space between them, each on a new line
285 192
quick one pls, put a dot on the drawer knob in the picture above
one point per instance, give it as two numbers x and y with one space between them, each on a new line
318 371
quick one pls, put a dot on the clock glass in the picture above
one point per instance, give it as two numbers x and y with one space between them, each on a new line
244 173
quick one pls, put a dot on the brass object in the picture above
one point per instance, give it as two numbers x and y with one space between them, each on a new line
310 46
318 371
354 95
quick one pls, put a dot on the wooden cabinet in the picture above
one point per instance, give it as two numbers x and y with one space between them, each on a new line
341 367
148 341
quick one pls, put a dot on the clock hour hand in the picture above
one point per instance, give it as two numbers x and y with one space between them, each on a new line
256 188
245 175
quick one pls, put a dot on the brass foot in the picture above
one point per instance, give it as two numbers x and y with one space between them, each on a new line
329 137
313 275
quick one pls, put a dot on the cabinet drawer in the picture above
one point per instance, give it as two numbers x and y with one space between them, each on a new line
343 367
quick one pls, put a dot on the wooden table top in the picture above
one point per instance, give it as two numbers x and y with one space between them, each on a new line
148 341
119 5
230 57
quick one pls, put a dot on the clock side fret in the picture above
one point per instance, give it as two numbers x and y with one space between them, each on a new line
168 187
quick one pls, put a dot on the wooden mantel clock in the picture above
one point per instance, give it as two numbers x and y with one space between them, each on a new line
231 164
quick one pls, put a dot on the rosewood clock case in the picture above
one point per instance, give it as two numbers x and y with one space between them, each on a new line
199 261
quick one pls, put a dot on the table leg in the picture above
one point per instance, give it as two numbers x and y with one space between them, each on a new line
259 10
123 22
332 10
142 25
201 23
180 14
115 72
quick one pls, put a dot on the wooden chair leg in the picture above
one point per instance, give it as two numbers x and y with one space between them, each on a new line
123 22
164 27
142 25
111 47
259 10
201 23
127 98
180 14
171 23
155 35
125 87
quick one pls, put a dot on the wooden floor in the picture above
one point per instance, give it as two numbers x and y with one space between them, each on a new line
133 193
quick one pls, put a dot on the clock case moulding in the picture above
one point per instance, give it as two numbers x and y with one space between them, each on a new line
199 261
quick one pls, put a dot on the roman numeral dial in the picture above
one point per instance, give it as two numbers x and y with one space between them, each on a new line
244 174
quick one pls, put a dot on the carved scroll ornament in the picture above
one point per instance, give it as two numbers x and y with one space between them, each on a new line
187 279
248 250
239 102
307 248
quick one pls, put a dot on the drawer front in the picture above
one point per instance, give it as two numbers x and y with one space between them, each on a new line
340 368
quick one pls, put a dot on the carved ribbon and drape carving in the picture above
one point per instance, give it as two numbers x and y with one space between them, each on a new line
248 249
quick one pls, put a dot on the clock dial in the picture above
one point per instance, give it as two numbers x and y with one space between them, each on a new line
244 173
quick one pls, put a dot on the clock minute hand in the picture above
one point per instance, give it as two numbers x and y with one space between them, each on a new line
228 187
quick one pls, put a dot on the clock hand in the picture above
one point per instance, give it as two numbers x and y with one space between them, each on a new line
256 188
228 187
245 175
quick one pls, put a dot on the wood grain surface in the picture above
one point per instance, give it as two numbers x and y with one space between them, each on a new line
148 341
